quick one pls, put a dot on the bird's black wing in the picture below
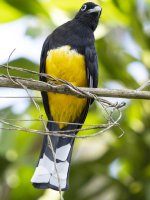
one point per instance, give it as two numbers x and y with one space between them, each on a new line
92 66
46 47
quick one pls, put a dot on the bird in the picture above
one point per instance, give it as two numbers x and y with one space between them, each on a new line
69 54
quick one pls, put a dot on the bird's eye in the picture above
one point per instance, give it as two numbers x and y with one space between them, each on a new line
83 7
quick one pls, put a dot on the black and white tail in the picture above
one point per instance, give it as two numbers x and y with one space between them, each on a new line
45 175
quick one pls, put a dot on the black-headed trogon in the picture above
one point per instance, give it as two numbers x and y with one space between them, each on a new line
69 54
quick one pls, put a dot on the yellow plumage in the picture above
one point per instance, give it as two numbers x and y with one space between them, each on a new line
68 65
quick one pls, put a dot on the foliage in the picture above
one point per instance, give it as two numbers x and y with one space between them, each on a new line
106 167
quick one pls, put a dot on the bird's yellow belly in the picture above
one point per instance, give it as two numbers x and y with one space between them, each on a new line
66 64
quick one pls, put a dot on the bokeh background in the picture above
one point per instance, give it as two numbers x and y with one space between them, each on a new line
107 167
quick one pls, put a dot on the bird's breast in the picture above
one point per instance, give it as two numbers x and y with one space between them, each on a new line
67 64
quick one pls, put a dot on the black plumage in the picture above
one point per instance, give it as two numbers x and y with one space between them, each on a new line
77 33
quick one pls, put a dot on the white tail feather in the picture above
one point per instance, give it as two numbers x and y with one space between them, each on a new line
63 152
45 171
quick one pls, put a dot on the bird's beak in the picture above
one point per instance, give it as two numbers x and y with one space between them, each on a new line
95 9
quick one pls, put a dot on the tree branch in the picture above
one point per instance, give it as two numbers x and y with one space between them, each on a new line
12 82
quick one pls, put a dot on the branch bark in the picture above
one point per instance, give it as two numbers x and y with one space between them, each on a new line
13 82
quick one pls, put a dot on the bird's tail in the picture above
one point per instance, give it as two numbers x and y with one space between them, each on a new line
51 174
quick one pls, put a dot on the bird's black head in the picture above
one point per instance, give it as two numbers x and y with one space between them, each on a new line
89 14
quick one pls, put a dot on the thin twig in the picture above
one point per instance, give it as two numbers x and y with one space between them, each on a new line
7 66
68 123
61 133
58 134
145 85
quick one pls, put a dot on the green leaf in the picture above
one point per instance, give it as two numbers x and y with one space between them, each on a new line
24 64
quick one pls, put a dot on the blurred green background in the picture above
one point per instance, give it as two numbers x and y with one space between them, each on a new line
105 167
